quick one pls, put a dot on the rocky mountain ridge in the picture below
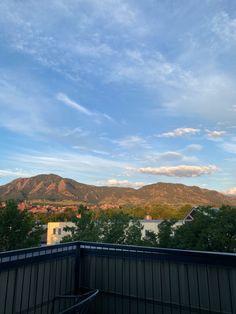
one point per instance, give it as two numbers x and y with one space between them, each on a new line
55 188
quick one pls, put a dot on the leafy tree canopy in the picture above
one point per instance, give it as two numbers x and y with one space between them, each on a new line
211 230
17 228
116 227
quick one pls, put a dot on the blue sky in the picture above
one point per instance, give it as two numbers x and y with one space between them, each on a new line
115 92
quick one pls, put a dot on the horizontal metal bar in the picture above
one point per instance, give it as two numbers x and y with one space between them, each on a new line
216 258
38 249
35 259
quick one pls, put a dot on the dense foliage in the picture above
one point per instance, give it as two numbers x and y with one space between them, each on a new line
211 230
157 211
115 227
52 216
17 228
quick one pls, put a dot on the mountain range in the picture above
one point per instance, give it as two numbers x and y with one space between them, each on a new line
51 187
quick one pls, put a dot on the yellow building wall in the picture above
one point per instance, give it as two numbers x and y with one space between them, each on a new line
55 232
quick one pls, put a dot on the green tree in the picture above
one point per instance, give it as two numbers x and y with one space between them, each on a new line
150 238
115 228
211 230
134 233
18 229
223 233
86 228
165 234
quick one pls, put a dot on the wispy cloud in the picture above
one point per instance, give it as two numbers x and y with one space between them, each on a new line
132 141
213 103
225 27
71 103
15 173
74 164
76 131
171 156
70 69
193 148
229 147
75 105
90 150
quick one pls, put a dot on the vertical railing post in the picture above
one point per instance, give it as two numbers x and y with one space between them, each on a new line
77 269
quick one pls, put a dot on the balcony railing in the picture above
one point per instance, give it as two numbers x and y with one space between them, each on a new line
130 279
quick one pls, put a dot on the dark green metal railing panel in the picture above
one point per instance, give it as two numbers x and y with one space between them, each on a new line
130 279
182 281
30 279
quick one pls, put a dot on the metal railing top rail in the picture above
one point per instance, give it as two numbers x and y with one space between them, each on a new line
154 249
116 246
167 253
16 258
218 257
55 247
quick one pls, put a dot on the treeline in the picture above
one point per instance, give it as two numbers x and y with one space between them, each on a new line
211 230
52 216
156 211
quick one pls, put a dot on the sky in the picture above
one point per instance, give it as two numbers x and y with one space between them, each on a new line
119 92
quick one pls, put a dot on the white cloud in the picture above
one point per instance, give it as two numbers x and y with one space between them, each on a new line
180 132
124 183
179 171
231 192
215 135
